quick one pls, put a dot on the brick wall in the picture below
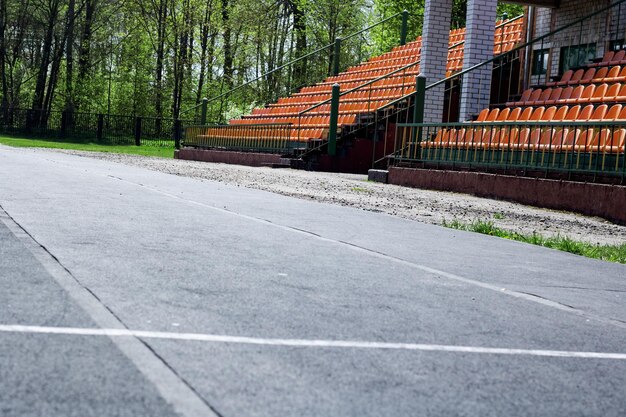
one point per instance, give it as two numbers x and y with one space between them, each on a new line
435 35
476 89
599 31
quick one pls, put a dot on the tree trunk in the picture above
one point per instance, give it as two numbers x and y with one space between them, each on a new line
84 49
299 26
3 51
46 51
69 56
161 17
228 52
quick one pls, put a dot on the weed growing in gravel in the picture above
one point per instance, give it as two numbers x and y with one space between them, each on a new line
611 253
360 189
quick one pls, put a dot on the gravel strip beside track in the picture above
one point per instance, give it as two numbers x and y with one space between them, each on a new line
426 206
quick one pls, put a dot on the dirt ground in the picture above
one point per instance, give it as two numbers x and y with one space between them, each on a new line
426 206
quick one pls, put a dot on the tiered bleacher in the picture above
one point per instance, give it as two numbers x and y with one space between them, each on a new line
314 124
595 94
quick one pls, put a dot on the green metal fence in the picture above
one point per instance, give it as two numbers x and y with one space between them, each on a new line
596 149
270 138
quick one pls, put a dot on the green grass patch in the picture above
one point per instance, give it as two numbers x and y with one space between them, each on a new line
611 253
161 152
360 190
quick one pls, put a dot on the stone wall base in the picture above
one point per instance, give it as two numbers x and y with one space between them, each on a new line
606 201
229 157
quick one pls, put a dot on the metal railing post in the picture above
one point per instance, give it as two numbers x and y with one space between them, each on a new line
405 27
336 56
334 118
138 131
178 132
100 127
418 109
205 104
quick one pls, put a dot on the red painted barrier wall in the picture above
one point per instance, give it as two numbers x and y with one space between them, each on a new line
607 201
228 157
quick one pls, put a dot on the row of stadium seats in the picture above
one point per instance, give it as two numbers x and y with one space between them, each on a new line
591 75
484 132
603 93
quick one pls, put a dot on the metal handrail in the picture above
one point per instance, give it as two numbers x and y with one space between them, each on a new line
533 123
382 77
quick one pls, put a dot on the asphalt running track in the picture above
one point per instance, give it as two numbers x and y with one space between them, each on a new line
126 292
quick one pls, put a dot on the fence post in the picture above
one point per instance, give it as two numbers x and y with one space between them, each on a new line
418 109
64 123
100 127
337 57
405 27
334 118
178 130
205 104
138 131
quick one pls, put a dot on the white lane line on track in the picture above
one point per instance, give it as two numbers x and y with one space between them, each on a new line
171 386
305 343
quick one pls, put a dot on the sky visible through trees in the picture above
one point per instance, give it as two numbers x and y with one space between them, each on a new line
160 57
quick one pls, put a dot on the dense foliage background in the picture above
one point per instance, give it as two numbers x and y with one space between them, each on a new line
158 57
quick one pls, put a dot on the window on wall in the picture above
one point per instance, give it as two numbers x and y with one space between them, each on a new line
540 61
576 56
617 45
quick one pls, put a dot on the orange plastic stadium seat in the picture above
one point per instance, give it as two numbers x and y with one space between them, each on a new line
565 78
493 115
588 137
608 56
576 77
599 113
482 116
501 138
618 78
564 138
536 133
545 95
554 96
521 136
587 141
621 96
474 135
523 99
613 72
586 94
547 137
533 97
574 95
492 135
614 112
564 96
618 58
616 142
601 74
598 94
611 93
588 77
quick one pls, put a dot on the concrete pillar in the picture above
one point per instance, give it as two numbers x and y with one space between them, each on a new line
435 38
481 21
